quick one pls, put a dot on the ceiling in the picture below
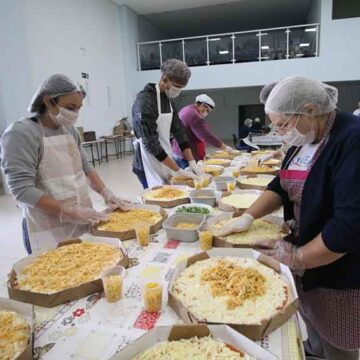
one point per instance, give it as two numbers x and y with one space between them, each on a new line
143 7
226 17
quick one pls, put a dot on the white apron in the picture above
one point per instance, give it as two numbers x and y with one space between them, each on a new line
156 173
60 175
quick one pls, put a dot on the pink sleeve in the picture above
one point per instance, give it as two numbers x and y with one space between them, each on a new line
201 129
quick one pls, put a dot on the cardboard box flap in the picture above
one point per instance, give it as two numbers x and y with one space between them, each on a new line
181 332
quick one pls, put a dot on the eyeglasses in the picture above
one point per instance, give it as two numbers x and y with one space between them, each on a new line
287 124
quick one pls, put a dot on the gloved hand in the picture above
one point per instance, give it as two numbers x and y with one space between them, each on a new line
186 173
114 202
229 149
240 224
194 168
263 158
81 216
288 254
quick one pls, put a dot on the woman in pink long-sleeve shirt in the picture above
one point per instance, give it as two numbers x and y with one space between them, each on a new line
197 130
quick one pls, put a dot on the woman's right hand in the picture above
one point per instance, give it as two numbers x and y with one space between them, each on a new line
80 215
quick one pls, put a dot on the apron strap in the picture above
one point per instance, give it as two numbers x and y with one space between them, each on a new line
158 98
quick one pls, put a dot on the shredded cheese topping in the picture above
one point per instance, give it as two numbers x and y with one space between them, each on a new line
67 267
166 193
222 155
259 230
14 334
238 284
205 348
125 220
255 292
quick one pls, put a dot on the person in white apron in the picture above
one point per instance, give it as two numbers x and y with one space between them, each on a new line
153 127
47 171
318 188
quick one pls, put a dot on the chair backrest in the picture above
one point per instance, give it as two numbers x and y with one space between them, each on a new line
89 136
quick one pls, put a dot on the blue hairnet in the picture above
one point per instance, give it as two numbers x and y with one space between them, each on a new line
54 86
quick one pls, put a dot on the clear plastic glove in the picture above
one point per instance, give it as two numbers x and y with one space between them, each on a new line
80 216
263 158
186 173
236 225
229 149
115 202
288 254
194 168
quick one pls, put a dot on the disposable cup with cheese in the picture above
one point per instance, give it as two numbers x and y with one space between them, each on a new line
197 184
235 173
205 181
240 201
113 283
205 238
230 186
142 231
152 294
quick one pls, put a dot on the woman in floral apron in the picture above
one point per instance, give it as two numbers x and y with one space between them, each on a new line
318 186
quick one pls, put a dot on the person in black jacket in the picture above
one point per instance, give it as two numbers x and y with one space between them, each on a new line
318 187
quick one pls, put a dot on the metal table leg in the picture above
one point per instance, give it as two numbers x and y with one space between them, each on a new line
92 155
97 151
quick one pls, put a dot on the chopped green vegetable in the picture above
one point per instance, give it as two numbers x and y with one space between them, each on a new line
193 210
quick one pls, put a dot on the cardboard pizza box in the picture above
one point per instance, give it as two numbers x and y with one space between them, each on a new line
166 203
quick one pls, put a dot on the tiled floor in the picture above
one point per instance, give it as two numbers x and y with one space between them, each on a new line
117 176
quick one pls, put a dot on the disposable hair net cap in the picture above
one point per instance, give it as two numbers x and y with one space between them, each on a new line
292 94
205 99
176 70
54 86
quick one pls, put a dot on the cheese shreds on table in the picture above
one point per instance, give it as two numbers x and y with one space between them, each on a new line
205 348
231 290
240 201
67 267
259 230
14 334
125 220
256 181
166 193
186 226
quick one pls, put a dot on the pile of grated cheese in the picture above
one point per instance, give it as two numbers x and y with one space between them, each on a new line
205 348
14 334
166 193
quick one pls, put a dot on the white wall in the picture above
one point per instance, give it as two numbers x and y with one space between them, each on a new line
69 37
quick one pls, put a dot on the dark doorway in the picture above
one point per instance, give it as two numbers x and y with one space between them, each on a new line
252 112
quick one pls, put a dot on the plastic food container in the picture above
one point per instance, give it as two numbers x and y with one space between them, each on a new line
152 294
207 197
221 181
186 235
113 283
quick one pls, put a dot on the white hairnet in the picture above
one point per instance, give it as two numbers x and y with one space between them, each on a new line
176 70
290 95
205 99
54 86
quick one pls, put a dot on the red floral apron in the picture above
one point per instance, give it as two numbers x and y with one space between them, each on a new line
334 313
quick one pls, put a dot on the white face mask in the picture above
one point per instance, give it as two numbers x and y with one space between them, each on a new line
173 92
65 117
295 138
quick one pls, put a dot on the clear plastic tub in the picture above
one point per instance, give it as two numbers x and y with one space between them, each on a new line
113 283
207 197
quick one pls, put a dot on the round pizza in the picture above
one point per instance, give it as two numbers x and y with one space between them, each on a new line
166 193
231 290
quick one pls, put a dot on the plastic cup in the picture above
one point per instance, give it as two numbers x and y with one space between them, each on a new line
152 295
235 173
197 184
205 181
230 186
112 280
205 238
142 231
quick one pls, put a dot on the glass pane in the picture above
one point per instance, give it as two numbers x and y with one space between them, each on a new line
195 52
149 56
302 42
171 50
273 45
246 47
220 50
